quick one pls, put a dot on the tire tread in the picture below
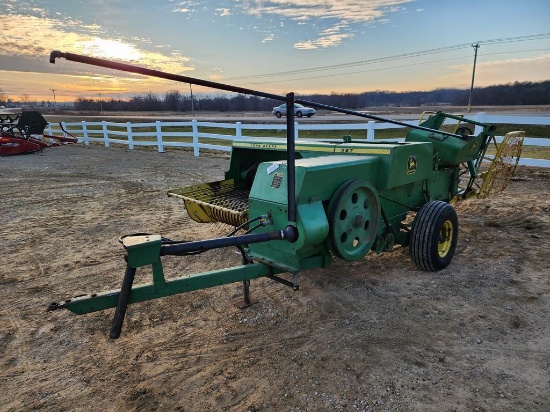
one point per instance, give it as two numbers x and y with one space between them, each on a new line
423 233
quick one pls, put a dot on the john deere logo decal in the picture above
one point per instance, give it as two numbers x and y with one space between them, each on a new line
411 165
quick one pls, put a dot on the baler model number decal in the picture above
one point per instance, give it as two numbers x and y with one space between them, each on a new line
276 182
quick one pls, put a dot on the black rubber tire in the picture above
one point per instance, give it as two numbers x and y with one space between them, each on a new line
464 131
278 114
299 114
426 236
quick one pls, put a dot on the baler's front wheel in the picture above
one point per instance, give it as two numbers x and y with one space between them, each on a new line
433 236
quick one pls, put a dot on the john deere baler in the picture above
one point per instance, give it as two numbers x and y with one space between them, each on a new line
301 202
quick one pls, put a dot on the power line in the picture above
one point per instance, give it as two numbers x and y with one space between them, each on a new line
359 63
381 68
517 39
362 71
396 57
390 67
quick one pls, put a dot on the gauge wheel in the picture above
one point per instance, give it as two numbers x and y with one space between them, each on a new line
463 131
278 114
433 236
353 212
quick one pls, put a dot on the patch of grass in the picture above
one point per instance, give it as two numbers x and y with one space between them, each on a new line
535 131
528 152
530 130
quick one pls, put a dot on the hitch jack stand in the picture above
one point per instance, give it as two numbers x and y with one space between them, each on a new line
122 303
247 300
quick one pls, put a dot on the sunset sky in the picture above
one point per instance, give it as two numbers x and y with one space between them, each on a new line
305 46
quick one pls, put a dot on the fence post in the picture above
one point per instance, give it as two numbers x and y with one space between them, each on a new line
50 128
194 127
130 136
85 133
370 130
480 117
296 128
159 136
105 133
238 130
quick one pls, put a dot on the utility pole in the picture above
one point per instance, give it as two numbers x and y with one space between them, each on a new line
100 104
54 104
475 46
192 105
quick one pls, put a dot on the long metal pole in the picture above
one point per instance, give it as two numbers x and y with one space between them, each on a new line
156 73
475 46
290 148
221 86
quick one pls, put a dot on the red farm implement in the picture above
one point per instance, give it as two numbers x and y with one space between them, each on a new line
24 133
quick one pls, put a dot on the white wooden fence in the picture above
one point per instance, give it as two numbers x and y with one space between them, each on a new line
126 133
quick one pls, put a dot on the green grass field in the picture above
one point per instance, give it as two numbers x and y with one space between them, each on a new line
534 131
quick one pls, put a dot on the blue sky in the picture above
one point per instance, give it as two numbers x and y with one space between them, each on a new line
277 46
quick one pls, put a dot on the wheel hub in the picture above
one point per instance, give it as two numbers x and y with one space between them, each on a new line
445 239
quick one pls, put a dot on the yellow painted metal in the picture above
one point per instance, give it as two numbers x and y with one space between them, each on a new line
319 147
215 202
445 239
503 165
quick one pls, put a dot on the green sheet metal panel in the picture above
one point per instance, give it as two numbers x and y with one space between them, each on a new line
452 150
407 163
402 163
317 179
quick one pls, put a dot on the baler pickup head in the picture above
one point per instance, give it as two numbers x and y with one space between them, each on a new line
215 202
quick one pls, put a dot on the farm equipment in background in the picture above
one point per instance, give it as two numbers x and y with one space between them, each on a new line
24 133
302 202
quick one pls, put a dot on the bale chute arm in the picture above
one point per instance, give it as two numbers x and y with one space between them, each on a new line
503 165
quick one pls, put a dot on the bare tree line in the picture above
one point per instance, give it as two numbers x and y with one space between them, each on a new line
517 93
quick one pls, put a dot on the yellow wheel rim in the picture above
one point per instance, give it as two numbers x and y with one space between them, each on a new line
445 239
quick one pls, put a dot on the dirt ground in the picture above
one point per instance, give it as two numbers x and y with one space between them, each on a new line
373 335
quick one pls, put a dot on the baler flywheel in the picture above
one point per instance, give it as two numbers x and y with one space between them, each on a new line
354 212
